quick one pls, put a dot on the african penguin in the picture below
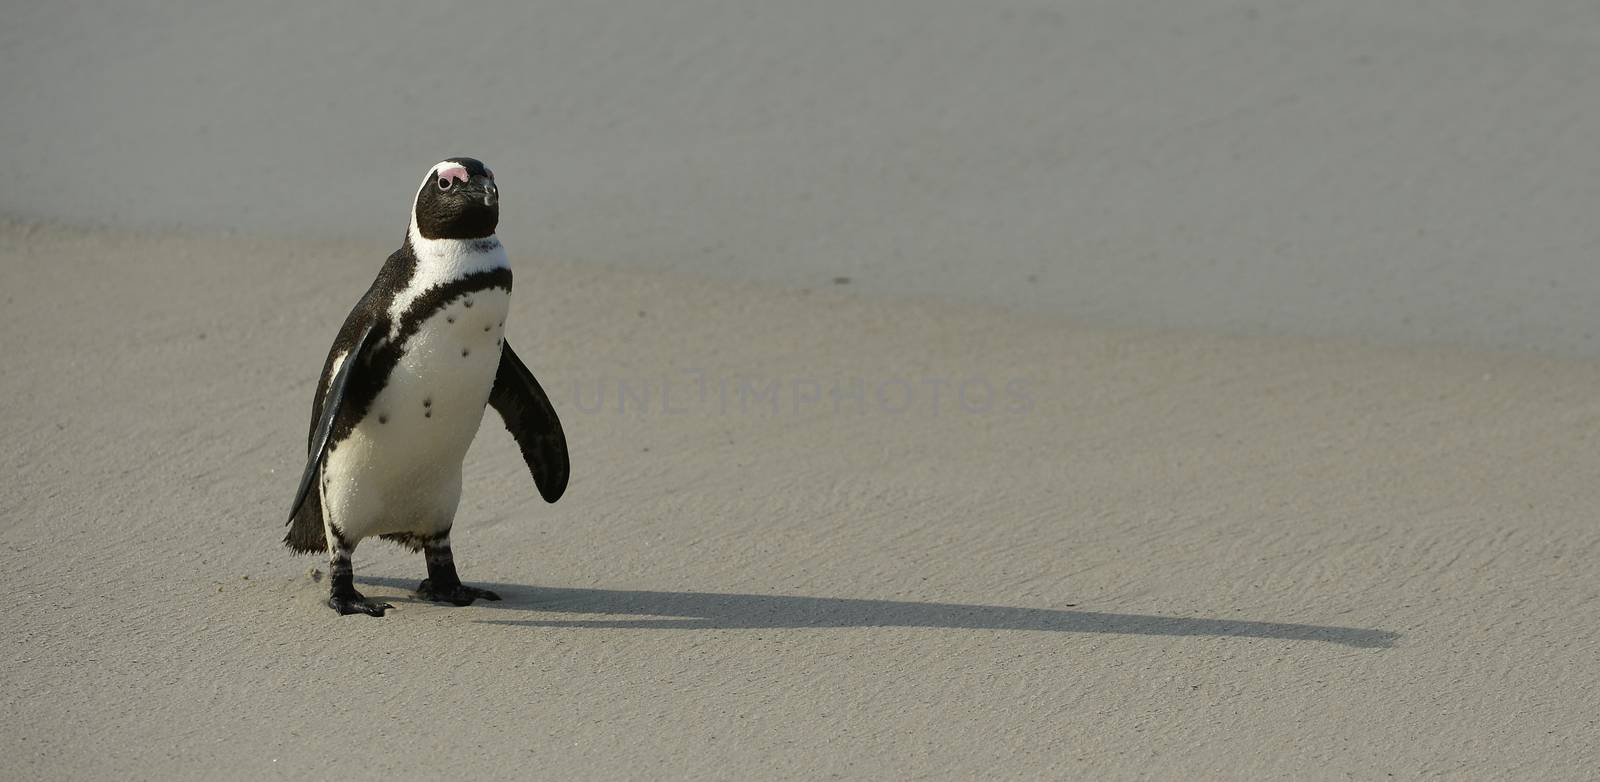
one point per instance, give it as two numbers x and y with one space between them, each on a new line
403 390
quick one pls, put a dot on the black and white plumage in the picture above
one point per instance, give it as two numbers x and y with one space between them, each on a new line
403 391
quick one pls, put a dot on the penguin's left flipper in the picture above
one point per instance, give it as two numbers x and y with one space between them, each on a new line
331 403
532 421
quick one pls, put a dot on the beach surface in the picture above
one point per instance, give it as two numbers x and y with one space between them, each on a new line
807 535
1012 390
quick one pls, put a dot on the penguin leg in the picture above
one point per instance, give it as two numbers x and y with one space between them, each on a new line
442 584
342 594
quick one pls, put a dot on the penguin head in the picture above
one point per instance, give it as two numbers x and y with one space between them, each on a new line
458 200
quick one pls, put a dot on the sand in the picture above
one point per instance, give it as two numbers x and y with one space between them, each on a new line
1137 554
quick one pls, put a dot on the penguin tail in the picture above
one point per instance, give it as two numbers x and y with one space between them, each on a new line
306 535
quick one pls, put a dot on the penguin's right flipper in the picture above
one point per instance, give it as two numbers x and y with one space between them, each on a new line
331 403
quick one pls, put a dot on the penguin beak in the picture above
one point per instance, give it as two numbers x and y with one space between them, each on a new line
483 187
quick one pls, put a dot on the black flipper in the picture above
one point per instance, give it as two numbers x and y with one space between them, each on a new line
532 421
331 403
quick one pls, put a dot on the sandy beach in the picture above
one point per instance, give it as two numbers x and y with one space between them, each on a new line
1173 555
957 391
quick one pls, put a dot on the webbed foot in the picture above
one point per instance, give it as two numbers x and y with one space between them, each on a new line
356 603
458 595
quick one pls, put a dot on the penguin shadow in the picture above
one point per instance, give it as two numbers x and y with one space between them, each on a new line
646 610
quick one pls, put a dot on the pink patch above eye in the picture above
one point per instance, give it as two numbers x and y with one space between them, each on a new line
453 172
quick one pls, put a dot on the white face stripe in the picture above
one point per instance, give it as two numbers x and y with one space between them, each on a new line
451 171
432 176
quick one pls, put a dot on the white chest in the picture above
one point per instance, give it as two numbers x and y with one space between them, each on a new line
400 467
435 395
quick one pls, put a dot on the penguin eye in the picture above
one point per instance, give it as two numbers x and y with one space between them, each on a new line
444 184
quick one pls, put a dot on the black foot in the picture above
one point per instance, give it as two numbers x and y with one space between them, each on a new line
459 595
355 603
